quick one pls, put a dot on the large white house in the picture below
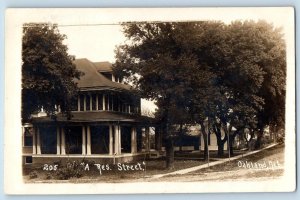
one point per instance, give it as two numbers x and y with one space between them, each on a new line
106 123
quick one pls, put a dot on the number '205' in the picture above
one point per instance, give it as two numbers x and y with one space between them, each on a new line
50 167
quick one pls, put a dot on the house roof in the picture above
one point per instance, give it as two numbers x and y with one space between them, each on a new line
92 116
92 79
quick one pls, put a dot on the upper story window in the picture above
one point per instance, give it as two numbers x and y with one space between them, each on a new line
81 102
100 101
88 102
94 101
108 75
105 101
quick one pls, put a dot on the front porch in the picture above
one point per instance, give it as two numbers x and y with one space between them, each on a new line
105 143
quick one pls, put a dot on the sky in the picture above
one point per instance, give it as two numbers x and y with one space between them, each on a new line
95 33
97 41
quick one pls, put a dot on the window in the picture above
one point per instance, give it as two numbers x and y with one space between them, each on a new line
107 102
88 103
108 75
94 101
73 140
100 102
111 104
81 102
28 159
115 103
48 139
131 108
100 139
28 136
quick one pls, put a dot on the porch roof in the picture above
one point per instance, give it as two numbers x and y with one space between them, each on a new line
96 116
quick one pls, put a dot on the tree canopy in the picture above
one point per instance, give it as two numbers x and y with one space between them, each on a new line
232 75
48 72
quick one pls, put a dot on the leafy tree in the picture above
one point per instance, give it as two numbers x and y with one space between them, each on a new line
255 76
247 91
48 72
207 73
154 63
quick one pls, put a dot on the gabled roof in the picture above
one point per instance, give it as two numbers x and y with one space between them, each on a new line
92 79
103 66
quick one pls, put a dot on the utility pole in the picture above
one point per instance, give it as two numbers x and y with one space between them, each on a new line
228 144
207 148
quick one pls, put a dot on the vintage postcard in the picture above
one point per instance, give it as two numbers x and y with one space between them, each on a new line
149 100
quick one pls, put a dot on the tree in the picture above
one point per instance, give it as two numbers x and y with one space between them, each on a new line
48 72
207 73
154 64
248 92
255 75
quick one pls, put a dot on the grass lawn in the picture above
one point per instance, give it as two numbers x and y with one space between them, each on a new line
271 167
152 167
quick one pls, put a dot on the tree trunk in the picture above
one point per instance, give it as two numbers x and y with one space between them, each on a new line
229 138
180 138
204 141
220 141
170 153
259 138
232 138
220 149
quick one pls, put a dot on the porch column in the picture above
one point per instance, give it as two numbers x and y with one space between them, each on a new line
38 142
97 101
88 145
111 142
120 143
58 141
133 140
84 103
108 105
63 141
78 103
112 102
103 101
117 140
147 131
34 141
91 102
83 141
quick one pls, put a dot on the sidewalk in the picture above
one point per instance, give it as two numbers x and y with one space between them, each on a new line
203 166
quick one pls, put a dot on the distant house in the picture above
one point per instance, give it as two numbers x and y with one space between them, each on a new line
192 140
106 123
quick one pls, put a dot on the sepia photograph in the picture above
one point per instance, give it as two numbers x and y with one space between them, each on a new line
143 100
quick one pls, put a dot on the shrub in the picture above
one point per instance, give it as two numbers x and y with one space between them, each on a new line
280 139
33 174
71 169
49 176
